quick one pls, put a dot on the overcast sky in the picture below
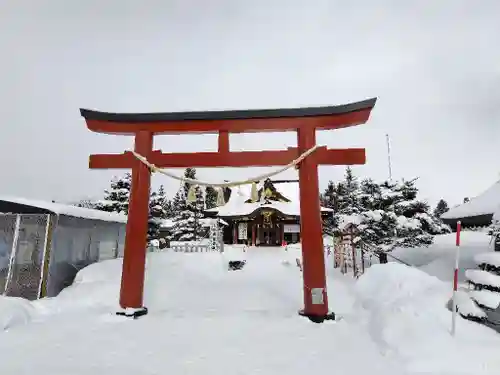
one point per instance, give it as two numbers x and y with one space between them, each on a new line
434 65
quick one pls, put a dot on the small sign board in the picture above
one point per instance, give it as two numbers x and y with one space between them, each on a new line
317 296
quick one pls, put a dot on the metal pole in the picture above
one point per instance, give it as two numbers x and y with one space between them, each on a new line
44 265
13 253
389 156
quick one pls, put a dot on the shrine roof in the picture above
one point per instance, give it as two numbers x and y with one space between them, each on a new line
227 114
236 206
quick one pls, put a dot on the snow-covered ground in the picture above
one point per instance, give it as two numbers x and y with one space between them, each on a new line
206 320
439 258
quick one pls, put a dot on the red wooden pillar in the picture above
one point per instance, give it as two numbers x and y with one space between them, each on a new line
235 233
253 234
134 258
315 295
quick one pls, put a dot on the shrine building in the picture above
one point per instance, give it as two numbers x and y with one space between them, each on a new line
269 220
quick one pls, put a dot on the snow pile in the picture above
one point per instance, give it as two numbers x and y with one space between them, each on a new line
480 277
14 312
409 320
439 258
467 307
95 287
486 298
488 258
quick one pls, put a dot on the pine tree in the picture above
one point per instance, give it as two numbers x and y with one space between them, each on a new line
329 200
116 199
198 207
187 215
389 215
210 197
168 207
87 203
350 194
157 212
441 208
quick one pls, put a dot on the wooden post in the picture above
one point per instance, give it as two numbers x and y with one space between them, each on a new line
134 258
313 260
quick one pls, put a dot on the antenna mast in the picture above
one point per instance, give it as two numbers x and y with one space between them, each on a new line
389 156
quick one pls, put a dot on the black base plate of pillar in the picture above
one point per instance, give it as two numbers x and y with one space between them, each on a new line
136 314
318 318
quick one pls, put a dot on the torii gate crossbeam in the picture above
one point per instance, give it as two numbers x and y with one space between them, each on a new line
304 121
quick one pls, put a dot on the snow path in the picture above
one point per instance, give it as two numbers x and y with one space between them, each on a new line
203 320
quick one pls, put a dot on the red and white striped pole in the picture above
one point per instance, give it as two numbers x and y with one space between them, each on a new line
455 280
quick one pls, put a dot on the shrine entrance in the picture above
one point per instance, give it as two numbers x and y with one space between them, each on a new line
306 157
269 228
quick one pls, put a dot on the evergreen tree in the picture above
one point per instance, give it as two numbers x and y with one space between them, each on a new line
187 215
348 191
390 215
329 200
441 208
86 203
157 212
168 207
198 207
116 199
210 197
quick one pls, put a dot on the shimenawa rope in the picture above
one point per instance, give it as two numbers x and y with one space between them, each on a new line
248 181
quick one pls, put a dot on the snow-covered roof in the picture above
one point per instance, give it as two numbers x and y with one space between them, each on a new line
205 222
68 210
486 203
236 205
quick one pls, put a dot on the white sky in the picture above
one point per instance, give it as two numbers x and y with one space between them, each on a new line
434 65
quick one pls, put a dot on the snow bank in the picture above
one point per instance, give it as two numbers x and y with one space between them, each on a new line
488 258
466 306
482 277
96 286
439 258
486 298
409 319
15 311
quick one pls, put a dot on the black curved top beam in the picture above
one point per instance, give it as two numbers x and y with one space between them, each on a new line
227 115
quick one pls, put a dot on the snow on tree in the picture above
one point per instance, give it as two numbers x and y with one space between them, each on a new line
441 208
168 207
116 199
486 293
187 215
210 197
348 194
86 203
157 212
328 199
388 214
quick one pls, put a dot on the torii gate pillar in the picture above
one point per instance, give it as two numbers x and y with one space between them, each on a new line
304 121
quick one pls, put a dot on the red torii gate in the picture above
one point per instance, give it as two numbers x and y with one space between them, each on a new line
305 121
